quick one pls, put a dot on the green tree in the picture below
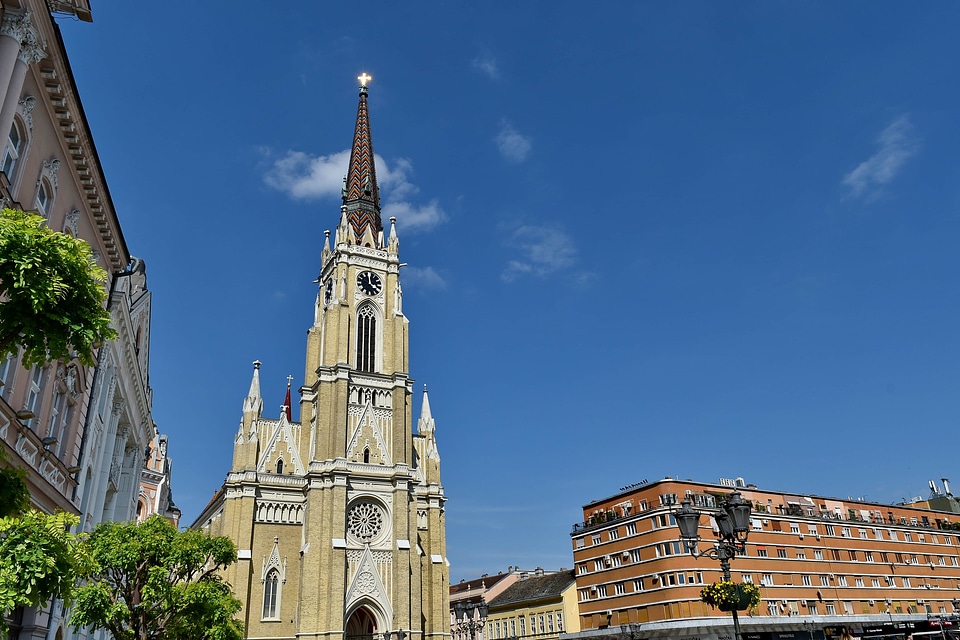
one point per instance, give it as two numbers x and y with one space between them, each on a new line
14 494
39 559
51 293
156 582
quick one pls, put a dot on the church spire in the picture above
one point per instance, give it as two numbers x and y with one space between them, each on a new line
427 427
426 422
253 401
286 402
361 195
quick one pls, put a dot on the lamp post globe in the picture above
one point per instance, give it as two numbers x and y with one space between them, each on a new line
725 525
688 521
739 511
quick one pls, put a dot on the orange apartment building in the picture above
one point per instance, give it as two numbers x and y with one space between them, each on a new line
822 563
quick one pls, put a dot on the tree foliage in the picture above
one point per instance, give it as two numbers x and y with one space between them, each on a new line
14 494
40 559
51 290
156 582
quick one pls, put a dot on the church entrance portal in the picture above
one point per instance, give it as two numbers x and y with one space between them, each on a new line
361 625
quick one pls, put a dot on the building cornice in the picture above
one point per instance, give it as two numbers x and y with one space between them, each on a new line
55 76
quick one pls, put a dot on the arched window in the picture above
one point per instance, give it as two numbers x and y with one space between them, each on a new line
6 376
43 198
280 467
34 391
271 588
366 338
11 154
366 455
58 416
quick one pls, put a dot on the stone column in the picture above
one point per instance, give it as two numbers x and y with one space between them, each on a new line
97 504
30 52
11 33
129 489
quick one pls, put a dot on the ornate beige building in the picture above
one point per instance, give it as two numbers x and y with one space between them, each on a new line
339 518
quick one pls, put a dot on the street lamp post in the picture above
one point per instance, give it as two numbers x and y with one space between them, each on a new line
733 524
471 616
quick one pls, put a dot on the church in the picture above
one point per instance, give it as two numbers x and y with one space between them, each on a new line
339 518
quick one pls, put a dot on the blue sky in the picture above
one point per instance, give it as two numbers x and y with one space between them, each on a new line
697 239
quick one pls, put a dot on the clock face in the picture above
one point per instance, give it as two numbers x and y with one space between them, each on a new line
369 283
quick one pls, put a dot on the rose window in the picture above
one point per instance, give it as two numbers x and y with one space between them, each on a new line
365 521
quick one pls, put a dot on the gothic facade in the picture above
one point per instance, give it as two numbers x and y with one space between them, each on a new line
339 518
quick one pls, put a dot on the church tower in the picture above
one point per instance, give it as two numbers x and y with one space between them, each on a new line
339 519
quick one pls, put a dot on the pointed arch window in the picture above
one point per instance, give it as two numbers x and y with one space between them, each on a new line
271 591
280 467
367 338
273 576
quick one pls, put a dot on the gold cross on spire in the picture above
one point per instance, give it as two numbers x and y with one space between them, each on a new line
364 79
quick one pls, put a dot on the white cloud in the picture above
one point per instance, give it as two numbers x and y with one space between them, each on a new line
542 251
423 278
415 218
896 144
306 177
488 66
513 146
302 176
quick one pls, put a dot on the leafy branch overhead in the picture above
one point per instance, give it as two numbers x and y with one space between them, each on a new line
51 293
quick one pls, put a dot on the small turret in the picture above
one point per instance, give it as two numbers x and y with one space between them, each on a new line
426 424
427 428
246 445
253 402
325 254
393 242
344 232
